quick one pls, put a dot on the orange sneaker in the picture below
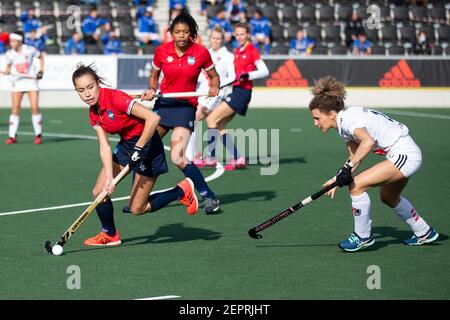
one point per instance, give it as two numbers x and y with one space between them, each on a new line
103 239
11 140
189 198
38 139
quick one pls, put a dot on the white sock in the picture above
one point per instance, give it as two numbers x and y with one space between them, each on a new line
361 214
37 123
13 125
407 213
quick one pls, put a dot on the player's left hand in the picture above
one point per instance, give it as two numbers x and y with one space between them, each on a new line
39 75
136 156
244 77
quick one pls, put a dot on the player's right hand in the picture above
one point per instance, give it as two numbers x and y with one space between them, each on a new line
148 94
344 176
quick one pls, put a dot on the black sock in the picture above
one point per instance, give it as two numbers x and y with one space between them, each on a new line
192 172
105 212
161 199
230 146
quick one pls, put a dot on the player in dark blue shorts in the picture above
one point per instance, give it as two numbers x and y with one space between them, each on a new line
114 112
181 61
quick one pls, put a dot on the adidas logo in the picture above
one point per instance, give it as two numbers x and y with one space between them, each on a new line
400 75
287 75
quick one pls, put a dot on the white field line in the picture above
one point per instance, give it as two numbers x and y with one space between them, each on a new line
420 114
159 298
218 173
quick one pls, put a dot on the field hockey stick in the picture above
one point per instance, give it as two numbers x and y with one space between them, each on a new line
182 94
66 236
175 95
253 232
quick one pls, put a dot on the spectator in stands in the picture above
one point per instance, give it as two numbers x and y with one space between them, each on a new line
422 44
147 27
301 45
362 46
205 3
111 44
75 45
3 47
91 25
4 36
220 19
34 40
177 4
260 28
29 20
235 11
353 28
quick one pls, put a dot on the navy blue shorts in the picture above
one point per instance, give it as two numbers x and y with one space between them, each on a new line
154 161
239 99
175 113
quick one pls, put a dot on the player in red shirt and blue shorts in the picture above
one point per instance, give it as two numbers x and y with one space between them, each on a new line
248 66
181 61
114 112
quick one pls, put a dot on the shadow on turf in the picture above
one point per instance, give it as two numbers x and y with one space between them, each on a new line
378 232
226 199
175 232
292 160
400 235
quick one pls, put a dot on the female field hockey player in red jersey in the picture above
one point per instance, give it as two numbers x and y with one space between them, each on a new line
114 112
181 61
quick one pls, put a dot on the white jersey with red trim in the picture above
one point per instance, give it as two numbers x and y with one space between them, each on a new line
224 61
23 61
384 130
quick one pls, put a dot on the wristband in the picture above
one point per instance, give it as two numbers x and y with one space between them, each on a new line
350 163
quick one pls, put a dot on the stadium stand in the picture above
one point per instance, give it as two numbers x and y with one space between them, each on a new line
324 21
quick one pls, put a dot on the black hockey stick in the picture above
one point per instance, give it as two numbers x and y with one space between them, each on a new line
253 232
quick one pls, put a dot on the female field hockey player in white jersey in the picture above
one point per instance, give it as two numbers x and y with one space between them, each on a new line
24 74
365 130
224 61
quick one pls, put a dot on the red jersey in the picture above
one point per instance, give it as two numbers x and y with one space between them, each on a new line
244 62
113 114
181 73
4 37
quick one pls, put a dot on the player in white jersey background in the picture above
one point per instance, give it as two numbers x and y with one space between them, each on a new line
224 61
24 71
364 131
